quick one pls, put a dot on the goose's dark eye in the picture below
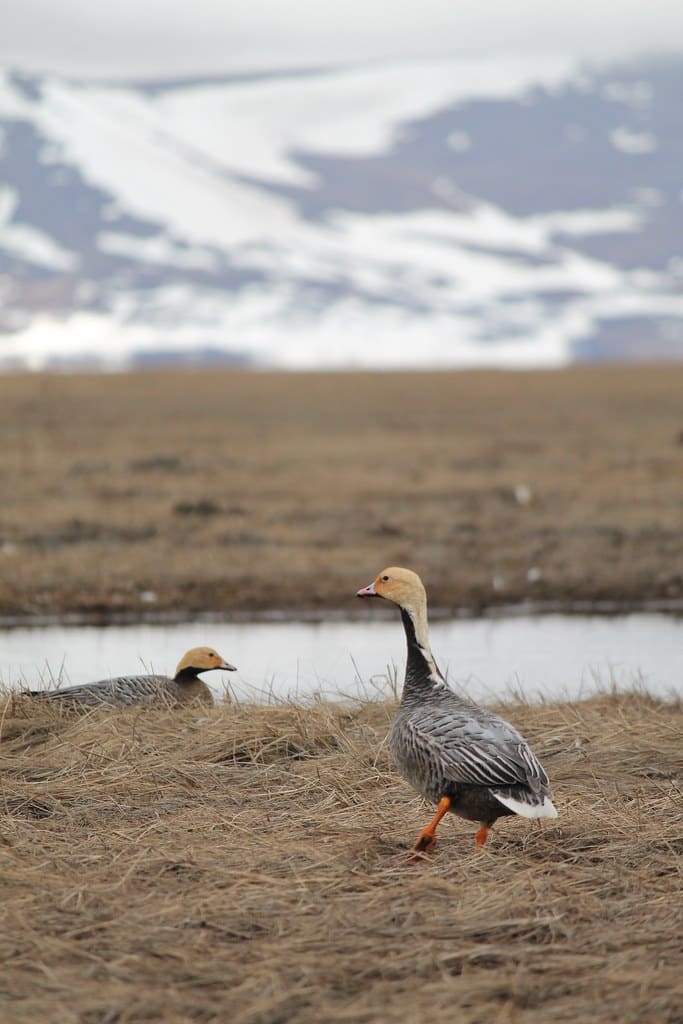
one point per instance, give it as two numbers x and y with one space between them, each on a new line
385 579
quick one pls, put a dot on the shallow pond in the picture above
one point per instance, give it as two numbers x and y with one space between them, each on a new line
547 656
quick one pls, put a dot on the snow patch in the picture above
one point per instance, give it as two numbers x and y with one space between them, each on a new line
637 95
591 222
213 144
159 249
633 143
256 129
459 142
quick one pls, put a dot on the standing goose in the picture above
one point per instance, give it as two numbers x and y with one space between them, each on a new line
457 755
126 690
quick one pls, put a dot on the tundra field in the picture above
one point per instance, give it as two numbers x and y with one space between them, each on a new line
249 864
239 491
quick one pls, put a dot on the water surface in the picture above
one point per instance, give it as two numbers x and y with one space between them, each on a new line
545 656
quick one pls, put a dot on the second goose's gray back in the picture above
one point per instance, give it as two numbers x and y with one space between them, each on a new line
125 691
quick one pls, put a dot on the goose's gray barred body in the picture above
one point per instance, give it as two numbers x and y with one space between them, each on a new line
448 748
125 691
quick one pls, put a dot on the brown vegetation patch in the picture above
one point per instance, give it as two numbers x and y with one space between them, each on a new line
240 491
248 864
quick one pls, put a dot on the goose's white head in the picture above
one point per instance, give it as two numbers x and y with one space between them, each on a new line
401 586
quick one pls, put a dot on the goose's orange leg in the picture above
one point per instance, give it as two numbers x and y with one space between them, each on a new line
481 836
427 837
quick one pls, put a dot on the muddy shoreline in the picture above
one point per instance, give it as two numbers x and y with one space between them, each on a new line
606 609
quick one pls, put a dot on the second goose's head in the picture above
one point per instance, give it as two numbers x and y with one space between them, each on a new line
202 659
401 586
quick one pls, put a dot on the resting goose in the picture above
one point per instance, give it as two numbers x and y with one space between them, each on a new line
126 690
457 755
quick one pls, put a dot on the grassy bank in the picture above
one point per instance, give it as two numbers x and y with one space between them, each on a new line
231 491
248 864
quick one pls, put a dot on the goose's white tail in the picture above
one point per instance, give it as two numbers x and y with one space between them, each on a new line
546 809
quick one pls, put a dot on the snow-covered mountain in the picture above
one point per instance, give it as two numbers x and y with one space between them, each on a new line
406 214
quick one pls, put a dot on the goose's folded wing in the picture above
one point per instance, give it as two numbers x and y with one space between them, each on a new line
476 758
121 690
89 693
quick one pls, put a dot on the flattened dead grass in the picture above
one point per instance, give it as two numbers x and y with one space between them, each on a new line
248 864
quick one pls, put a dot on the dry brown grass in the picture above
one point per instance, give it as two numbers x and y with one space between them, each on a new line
245 491
248 864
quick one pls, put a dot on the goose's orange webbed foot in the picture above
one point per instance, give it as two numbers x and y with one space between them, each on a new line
426 841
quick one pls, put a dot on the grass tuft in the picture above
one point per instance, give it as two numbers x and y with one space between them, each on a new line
248 863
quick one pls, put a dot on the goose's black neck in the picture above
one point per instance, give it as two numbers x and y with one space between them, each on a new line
186 675
421 669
